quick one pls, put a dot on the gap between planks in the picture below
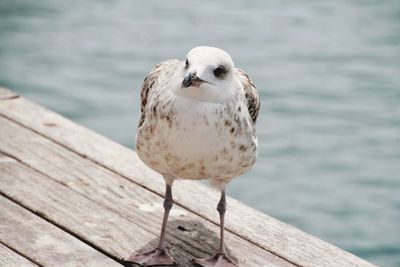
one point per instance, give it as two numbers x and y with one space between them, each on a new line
13 257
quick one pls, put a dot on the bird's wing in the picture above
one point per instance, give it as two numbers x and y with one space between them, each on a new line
150 81
253 100
152 78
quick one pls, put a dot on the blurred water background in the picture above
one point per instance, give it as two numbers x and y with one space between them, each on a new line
328 73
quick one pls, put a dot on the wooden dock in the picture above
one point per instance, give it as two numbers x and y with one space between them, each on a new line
70 197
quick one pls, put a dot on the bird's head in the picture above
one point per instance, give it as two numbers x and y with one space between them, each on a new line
208 74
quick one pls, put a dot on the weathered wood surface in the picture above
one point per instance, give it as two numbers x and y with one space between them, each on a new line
10 258
113 178
42 242
57 182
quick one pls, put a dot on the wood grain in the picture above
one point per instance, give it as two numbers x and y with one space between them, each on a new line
264 231
43 242
9 258
70 181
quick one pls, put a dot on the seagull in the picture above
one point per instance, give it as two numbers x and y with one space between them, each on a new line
197 122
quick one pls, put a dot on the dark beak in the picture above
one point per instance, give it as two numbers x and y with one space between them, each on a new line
191 79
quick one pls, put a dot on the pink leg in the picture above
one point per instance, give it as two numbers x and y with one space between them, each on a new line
157 256
220 259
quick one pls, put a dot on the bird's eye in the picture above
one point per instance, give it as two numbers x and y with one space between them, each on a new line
186 63
220 72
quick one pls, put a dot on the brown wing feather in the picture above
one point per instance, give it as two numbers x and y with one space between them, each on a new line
253 100
149 82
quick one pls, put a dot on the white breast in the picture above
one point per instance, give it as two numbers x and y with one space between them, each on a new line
197 140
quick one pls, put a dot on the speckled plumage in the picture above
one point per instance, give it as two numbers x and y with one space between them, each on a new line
181 137
198 122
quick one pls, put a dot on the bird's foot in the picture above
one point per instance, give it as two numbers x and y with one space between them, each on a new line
155 257
218 260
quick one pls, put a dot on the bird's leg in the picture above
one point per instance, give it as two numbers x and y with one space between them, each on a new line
157 256
168 202
220 259
221 207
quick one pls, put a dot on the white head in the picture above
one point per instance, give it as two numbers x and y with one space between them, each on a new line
208 74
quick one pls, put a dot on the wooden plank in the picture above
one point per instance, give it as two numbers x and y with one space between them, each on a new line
261 229
137 210
11 258
98 226
42 242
